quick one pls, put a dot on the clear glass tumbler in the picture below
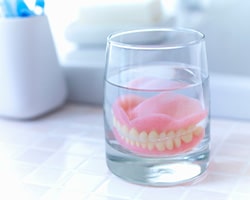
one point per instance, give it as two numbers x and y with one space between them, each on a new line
156 106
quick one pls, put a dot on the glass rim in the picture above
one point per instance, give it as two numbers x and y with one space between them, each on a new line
112 36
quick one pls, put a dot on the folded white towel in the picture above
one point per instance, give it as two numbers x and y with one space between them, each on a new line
98 18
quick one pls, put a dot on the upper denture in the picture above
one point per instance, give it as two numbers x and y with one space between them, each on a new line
164 112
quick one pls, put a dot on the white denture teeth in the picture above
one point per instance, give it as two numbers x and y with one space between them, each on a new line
154 140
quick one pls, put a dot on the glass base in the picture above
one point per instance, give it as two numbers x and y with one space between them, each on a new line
170 171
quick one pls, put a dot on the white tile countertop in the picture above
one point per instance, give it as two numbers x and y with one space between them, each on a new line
62 156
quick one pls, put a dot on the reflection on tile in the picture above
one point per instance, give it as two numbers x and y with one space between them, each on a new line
239 196
11 184
243 186
80 147
21 170
53 143
95 133
47 176
93 197
64 161
21 138
161 193
10 150
34 156
23 192
205 195
100 153
83 182
218 182
118 188
234 151
68 131
228 166
33 192
95 166
64 194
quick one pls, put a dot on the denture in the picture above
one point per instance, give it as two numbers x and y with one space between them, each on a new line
168 123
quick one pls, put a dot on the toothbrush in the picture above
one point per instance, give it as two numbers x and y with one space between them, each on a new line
39 7
8 8
40 3
22 9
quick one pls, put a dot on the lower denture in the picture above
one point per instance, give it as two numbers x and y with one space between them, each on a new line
167 123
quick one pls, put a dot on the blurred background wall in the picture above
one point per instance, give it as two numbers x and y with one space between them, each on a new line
224 22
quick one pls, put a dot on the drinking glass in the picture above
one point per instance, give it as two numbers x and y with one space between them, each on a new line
156 106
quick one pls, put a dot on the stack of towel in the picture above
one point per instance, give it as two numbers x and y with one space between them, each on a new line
96 19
